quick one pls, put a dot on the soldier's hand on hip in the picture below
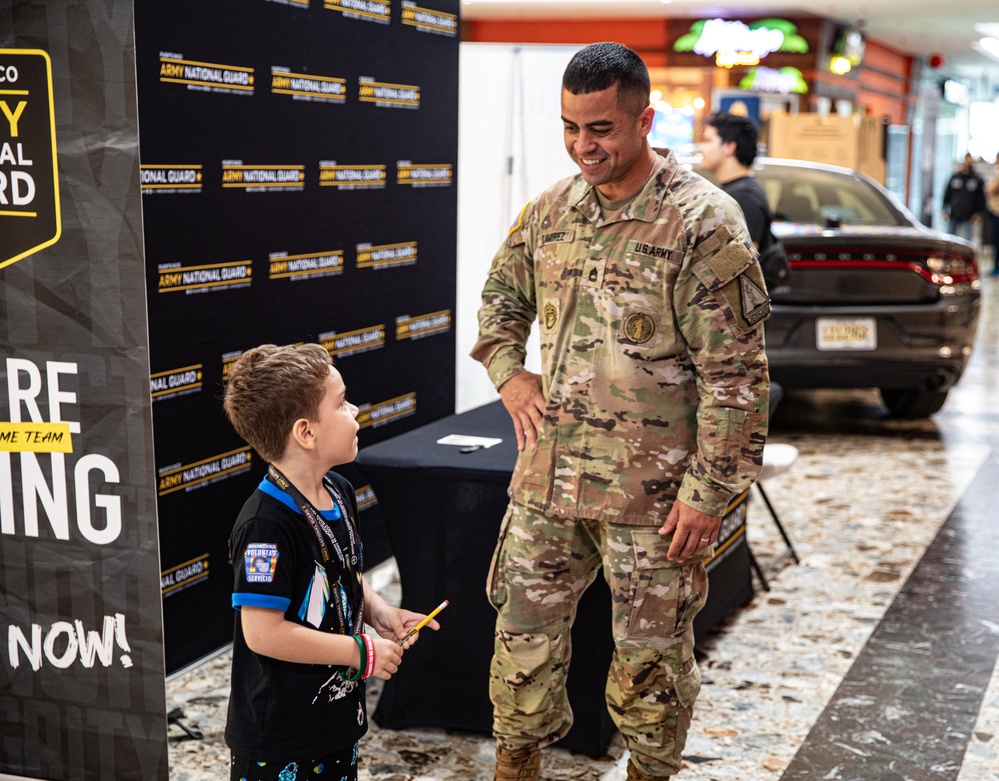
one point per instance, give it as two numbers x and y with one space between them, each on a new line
524 400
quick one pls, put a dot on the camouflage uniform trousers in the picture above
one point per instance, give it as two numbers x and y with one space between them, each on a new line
540 568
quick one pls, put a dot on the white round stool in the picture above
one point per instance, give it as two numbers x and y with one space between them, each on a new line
777 458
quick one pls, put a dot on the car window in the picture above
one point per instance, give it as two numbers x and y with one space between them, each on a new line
813 196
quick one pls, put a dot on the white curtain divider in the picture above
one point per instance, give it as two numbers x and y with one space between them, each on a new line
509 149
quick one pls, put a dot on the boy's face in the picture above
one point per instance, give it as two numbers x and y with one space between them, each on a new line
336 425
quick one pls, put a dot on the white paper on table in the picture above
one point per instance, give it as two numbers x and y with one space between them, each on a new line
467 440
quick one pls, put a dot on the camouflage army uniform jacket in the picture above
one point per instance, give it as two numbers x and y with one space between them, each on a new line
652 348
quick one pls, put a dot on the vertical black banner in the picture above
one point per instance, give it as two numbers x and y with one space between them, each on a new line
81 653
298 181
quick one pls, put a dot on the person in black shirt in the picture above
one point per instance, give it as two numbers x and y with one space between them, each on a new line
300 653
992 210
728 149
964 199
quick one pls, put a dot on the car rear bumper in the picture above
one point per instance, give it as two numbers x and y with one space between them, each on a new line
873 375
918 346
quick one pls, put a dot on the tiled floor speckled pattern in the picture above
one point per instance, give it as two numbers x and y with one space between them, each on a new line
864 500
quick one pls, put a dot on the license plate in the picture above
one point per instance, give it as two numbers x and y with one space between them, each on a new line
836 333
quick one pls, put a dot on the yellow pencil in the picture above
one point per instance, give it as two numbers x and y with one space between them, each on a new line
424 622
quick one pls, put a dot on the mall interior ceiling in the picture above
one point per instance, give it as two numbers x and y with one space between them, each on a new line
960 30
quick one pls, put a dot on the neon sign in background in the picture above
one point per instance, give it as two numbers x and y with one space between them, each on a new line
734 43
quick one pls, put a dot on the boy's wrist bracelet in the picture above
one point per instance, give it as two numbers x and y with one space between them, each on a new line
370 661
362 651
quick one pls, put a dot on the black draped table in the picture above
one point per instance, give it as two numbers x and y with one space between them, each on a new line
442 509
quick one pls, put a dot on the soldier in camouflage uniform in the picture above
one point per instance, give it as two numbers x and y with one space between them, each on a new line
648 417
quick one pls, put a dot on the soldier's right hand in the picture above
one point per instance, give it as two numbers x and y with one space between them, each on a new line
524 400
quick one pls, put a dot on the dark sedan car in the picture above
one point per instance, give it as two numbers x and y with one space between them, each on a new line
874 299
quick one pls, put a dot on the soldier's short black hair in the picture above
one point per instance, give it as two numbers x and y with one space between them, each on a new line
600 66
740 130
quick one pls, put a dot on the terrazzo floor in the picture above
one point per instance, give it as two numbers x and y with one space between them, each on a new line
864 501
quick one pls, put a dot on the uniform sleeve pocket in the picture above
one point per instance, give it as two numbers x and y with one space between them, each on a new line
727 263
720 449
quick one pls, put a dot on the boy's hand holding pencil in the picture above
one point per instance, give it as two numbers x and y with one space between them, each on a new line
424 622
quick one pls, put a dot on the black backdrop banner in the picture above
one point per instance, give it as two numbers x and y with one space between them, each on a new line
299 185
81 651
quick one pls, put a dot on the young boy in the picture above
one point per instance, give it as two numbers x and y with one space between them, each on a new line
300 654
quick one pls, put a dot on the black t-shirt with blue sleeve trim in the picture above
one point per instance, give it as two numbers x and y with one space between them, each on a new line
279 709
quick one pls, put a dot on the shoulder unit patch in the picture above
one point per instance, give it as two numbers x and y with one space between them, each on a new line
519 222
755 301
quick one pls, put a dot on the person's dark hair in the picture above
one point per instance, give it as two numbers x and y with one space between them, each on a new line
269 388
600 66
741 130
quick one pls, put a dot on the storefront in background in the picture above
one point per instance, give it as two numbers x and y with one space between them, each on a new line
777 67
755 66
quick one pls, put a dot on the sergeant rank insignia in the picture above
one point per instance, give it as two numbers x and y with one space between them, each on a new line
593 273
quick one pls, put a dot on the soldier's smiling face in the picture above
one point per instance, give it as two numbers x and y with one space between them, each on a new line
607 141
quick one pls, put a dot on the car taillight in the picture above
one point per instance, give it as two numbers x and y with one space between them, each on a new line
951 269
949 272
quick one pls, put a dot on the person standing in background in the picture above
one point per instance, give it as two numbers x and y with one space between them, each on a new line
728 150
964 199
992 209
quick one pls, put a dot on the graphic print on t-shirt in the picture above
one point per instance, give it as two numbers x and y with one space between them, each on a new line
336 688
314 605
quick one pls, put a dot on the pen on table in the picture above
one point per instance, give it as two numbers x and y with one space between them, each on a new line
424 622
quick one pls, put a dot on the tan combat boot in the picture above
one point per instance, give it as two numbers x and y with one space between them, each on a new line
523 764
634 774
